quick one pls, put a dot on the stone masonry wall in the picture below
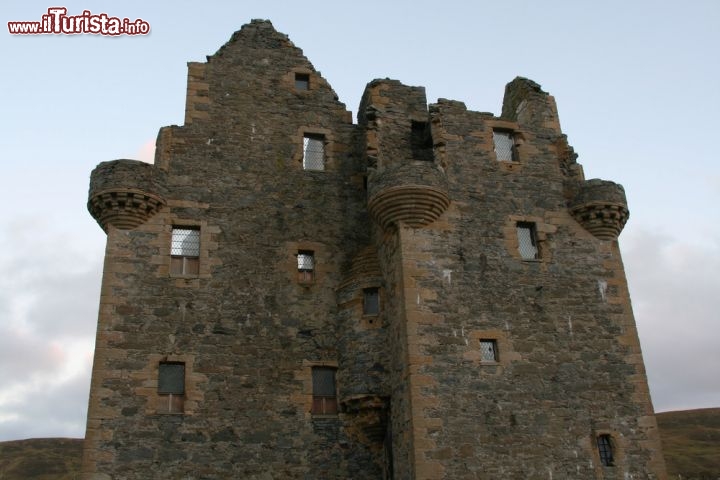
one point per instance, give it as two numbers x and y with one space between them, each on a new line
568 366
411 202
248 331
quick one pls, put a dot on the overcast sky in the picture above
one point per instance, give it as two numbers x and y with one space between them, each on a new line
636 82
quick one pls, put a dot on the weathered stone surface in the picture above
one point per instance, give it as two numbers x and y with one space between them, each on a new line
412 202
601 208
125 193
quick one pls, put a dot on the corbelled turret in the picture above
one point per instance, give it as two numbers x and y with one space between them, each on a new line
125 193
601 208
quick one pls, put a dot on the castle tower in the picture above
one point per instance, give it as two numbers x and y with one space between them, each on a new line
431 293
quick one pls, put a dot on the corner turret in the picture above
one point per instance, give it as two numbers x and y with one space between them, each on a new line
125 193
601 208
405 184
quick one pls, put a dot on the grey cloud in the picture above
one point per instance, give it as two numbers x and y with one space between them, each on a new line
674 285
60 409
48 310
22 356
68 305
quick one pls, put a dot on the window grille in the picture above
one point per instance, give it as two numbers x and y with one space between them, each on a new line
488 351
302 81
306 265
314 152
371 301
306 261
185 242
324 396
504 145
527 241
185 251
604 443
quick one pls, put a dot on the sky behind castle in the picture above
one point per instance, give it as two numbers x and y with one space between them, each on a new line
636 85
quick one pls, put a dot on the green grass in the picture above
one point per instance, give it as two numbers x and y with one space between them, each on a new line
691 443
41 459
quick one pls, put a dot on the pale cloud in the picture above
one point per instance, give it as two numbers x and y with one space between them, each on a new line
674 285
42 404
48 310
713 182
146 153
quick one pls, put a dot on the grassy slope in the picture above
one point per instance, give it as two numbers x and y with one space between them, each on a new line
41 459
691 443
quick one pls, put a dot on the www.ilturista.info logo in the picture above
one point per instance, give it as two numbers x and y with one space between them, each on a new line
57 21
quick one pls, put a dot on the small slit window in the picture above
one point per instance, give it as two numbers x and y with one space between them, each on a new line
527 241
314 152
302 81
306 266
171 386
324 391
371 301
504 142
185 251
488 350
604 443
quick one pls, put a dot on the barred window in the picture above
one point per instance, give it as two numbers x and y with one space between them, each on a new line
527 241
185 251
171 386
324 391
488 350
314 152
306 265
504 145
371 301
302 81
604 443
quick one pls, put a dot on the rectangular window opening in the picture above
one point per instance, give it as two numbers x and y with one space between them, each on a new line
314 152
421 141
605 450
302 81
306 266
527 241
324 391
171 386
488 350
185 251
504 142
371 301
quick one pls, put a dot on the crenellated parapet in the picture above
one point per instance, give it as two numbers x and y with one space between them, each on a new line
601 208
125 193
414 193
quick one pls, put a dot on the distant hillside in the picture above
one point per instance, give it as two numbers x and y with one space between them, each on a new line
41 459
691 443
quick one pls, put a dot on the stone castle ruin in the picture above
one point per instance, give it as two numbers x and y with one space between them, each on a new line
428 293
